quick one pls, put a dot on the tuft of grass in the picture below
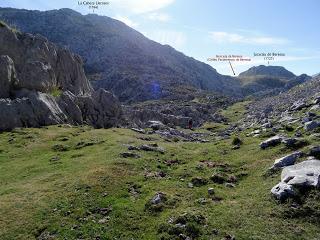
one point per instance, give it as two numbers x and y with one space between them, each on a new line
56 92
12 28
2 24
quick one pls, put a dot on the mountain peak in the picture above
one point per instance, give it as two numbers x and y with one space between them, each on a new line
273 71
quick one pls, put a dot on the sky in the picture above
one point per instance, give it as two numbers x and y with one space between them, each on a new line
203 29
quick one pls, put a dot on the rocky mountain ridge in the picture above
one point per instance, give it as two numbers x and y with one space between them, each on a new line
269 80
275 71
120 59
123 61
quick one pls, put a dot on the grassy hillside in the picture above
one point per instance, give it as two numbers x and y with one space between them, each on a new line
267 81
65 182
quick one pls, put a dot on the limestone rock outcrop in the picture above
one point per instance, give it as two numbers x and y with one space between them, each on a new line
42 84
299 176
8 78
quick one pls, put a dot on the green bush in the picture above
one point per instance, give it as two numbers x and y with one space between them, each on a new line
236 141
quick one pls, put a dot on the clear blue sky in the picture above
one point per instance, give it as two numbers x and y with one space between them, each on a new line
204 28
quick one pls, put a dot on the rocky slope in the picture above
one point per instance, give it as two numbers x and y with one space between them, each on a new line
269 80
286 103
45 85
121 59
202 107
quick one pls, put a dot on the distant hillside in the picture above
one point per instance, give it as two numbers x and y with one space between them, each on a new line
268 80
274 71
120 59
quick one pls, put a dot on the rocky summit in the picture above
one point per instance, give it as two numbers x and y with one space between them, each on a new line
269 80
42 84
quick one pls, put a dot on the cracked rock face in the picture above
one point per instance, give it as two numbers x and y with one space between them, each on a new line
35 110
40 65
31 70
8 78
299 176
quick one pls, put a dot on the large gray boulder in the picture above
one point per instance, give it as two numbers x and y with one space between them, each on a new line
68 104
101 109
8 78
273 141
156 125
286 160
303 174
35 110
299 176
311 125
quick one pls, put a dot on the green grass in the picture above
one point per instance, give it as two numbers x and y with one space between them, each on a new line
56 180
56 92
12 27
2 24
236 111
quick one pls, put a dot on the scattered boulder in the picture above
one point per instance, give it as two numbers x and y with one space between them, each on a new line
315 107
138 130
311 115
229 237
211 191
297 177
273 141
289 142
199 181
230 185
316 99
218 178
286 160
298 105
267 125
157 202
152 148
255 132
186 226
46 235
159 197
129 155
156 125
131 148
311 125
314 151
